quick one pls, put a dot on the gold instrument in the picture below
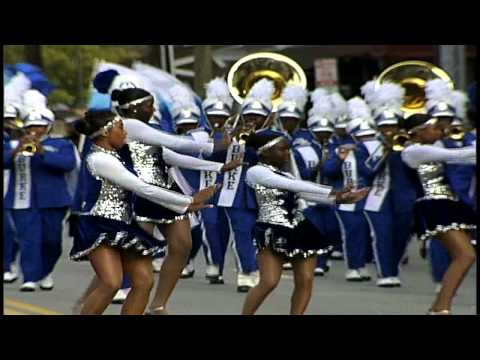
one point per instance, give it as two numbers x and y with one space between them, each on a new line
456 133
399 141
264 65
28 149
412 76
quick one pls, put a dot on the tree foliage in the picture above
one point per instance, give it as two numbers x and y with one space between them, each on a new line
70 67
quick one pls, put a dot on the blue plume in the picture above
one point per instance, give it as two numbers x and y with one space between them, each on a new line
36 76
99 101
104 80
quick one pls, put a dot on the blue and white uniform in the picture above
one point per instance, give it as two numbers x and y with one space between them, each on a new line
37 211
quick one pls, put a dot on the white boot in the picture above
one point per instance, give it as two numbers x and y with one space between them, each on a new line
385 282
212 271
188 271
28 286
353 275
120 296
365 274
244 282
46 283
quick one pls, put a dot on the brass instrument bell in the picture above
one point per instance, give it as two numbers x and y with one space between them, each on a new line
456 133
412 76
275 67
399 141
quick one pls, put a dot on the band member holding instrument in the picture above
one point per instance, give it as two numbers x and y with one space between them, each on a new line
10 243
348 164
438 212
280 235
218 106
38 163
389 206
291 110
236 201
102 225
339 138
310 159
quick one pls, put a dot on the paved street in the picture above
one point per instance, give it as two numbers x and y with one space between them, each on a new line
332 294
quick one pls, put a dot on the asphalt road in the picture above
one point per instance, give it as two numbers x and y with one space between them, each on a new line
332 294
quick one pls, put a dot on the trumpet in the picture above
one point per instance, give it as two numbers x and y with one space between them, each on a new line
244 132
28 149
399 141
456 133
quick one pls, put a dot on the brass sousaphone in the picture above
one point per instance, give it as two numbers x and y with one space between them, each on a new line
280 69
412 75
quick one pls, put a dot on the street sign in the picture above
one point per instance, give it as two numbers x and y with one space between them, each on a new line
326 73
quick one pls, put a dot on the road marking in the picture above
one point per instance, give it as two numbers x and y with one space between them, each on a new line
38 310
8 311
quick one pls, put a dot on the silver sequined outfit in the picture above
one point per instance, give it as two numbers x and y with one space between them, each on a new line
435 187
272 204
149 166
112 202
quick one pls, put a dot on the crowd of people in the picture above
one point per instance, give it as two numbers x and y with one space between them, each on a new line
287 188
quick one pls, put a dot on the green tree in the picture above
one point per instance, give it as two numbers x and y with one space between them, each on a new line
70 67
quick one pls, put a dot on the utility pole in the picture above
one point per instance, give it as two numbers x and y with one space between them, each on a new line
202 67
452 60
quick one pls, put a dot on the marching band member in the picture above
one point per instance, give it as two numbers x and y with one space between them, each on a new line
236 202
279 236
218 107
10 244
103 230
438 212
290 112
339 138
38 212
348 164
389 205
310 158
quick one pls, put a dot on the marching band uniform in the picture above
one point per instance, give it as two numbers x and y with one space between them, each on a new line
236 201
389 205
38 212
10 245
353 172
310 158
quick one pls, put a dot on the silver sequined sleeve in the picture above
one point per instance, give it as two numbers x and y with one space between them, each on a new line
139 131
111 169
417 154
189 162
265 177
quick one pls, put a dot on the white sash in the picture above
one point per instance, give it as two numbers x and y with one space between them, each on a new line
309 156
6 179
380 187
231 179
350 177
207 178
23 183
